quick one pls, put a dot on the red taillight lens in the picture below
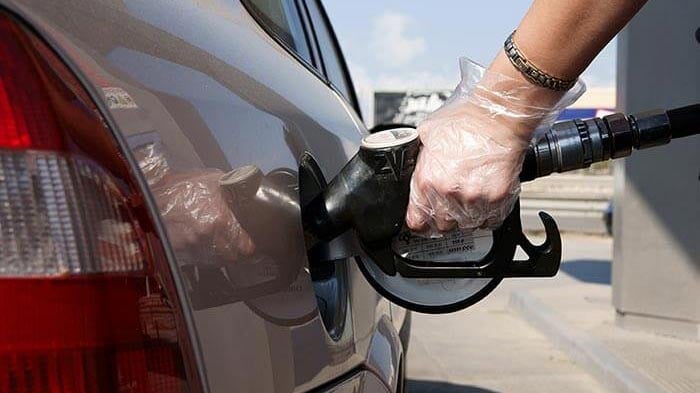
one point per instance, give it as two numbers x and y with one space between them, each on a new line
26 119
83 300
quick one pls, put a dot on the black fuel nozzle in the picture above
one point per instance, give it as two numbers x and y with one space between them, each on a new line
259 200
267 208
370 194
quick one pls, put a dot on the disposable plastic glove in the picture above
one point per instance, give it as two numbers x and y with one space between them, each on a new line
201 226
467 173
195 211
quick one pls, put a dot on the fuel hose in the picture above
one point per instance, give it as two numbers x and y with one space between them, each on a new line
576 144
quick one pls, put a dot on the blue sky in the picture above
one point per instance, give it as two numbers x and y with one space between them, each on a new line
399 45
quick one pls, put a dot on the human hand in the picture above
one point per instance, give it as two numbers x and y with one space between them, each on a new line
199 221
467 173
201 226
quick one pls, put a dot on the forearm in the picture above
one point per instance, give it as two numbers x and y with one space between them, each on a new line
563 37
467 173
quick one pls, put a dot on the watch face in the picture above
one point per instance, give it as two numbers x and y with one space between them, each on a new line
434 295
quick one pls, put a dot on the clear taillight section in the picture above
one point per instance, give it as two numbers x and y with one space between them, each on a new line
86 296
60 215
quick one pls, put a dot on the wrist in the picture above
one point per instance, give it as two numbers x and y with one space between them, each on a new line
499 101
511 100
521 88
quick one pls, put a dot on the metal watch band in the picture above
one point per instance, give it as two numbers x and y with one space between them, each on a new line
530 71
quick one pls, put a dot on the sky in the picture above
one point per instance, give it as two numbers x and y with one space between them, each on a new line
415 45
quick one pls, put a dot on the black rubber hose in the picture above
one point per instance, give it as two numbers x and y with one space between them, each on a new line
553 151
685 121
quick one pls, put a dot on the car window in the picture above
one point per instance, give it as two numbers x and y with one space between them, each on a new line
330 54
283 20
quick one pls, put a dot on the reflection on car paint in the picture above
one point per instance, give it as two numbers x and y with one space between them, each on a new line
217 94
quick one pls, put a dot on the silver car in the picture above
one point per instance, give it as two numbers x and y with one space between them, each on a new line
135 137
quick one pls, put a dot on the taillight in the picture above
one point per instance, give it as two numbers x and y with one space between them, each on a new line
83 280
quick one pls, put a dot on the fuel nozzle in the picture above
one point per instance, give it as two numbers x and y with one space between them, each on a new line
266 206
370 194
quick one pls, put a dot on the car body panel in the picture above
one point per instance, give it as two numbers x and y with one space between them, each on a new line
363 381
208 83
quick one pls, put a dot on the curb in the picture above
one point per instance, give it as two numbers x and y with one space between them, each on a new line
584 349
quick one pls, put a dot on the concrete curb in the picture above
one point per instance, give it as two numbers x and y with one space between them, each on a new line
584 349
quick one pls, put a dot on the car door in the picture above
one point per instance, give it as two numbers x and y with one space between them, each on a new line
214 86
337 73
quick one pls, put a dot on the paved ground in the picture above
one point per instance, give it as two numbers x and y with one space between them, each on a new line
524 337
491 348
580 317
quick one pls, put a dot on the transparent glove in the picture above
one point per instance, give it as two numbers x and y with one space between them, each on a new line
467 173
152 161
201 227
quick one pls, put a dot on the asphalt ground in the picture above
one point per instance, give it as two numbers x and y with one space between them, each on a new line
490 347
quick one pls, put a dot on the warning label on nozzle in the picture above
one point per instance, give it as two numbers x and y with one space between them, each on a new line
457 245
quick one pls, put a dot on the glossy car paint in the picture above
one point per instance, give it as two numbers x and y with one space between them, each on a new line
207 82
363 381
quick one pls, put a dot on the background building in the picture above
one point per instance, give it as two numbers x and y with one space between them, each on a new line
656 265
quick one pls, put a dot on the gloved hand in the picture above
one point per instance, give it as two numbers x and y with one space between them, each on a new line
195 212
467 173
200 224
